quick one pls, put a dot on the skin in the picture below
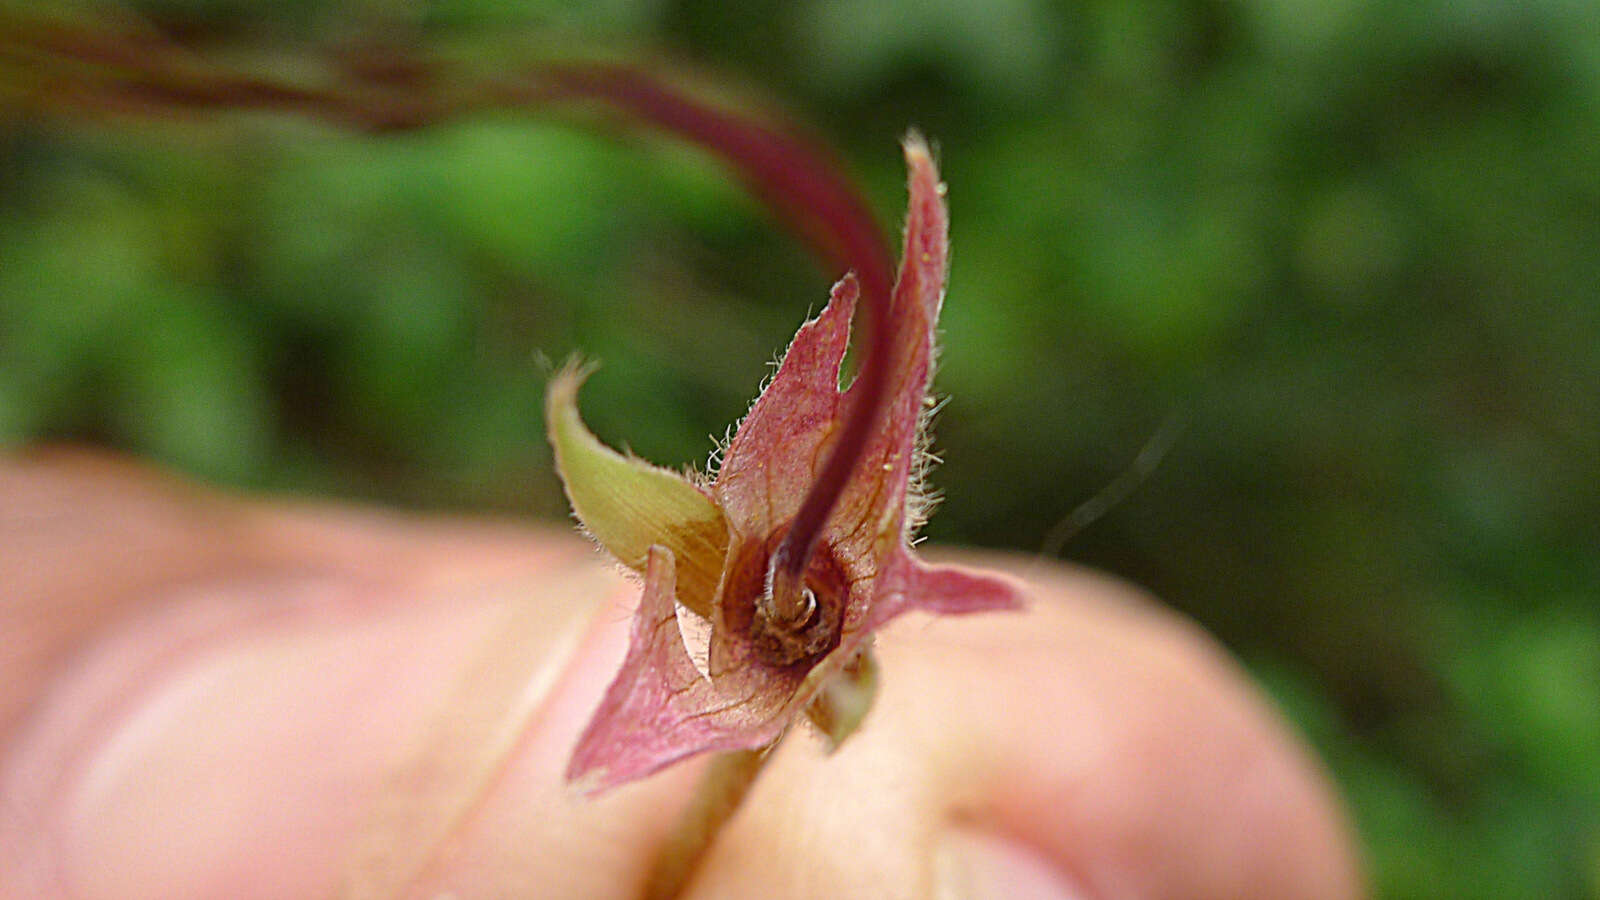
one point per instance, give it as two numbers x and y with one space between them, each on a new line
202 695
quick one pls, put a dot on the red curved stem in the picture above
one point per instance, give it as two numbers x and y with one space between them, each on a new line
792 175
799 182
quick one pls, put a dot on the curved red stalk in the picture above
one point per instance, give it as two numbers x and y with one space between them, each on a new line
796 179
792 175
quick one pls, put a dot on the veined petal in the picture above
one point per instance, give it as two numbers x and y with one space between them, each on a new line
777 449
628 504
626 738
870 518
908 584
660 709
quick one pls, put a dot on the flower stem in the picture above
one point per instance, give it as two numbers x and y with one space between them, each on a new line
804 186
722 788
100 68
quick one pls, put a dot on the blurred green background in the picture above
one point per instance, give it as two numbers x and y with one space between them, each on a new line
1353 246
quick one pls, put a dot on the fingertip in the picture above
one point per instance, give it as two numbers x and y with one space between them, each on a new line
1120 742
976 864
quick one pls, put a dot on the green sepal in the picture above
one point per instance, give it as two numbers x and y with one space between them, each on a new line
627 504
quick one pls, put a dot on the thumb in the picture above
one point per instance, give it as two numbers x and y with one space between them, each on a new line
269 701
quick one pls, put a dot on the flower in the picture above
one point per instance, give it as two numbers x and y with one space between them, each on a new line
708 544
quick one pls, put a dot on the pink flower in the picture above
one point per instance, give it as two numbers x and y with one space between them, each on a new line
776 649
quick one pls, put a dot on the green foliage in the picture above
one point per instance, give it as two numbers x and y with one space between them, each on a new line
1354 245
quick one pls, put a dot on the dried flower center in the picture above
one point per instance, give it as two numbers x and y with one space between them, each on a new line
783 641
785 634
